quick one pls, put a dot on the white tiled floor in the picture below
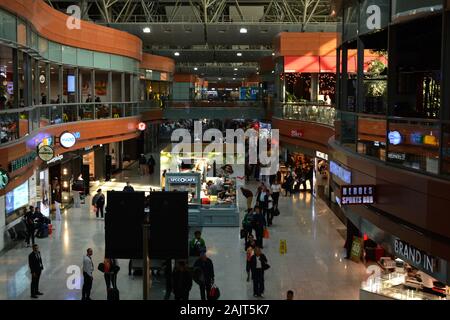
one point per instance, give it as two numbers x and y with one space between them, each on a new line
313 266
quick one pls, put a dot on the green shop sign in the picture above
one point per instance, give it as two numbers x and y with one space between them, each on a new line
22 162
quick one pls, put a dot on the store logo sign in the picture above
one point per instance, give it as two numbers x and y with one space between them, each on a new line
414 256
343 174
22 162
374 19
182 180
55 159
395 138
142 126
67 140
46 153
358 194
74 21
4 179
321 155
397 156
297 133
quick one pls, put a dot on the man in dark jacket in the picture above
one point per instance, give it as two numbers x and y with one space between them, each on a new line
206 274
29 222
182 282
258 224
128 187
258 264
36 267
99 202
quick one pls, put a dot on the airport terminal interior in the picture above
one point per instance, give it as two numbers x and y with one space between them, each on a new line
224 149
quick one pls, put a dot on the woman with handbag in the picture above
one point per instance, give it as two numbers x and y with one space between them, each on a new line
258 265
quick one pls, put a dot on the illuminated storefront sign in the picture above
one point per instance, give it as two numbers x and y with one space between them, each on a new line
414 256
297 133
46 153
22 162
67 140
357 194
321 155
182 180
395 138
340 172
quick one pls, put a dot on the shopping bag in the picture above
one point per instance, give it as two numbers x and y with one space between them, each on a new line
276 212
214 293
266 234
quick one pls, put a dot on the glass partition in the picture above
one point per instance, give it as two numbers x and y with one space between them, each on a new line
6 78
348 123
372 137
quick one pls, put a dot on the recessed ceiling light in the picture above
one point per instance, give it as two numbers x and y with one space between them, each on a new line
273 53
235 69
243 30
234 78
239 54
257 73
146 30
273 71
235 74
176 54
219 78
148 70
195 68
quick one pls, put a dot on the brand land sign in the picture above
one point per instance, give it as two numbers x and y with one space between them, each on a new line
358 194
415 256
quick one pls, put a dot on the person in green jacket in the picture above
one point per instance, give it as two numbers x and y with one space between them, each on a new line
197 245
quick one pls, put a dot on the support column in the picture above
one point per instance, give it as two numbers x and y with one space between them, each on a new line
314 87
110 79
16 78
61 83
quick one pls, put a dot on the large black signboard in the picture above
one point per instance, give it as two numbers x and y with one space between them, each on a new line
169 234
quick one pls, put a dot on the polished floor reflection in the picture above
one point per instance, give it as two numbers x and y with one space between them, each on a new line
313 266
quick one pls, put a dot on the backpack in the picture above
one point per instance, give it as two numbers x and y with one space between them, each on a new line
248 220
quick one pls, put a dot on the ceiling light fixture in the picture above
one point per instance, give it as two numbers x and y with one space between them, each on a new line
243 30
273 53
195 68
235 69
177 54
234 78
146 30
239 54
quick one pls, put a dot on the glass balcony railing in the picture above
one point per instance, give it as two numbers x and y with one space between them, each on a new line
17 123
213 103
309 111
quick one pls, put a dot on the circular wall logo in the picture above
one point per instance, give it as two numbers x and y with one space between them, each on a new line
4 179
395 137
46 153
142 126
67 140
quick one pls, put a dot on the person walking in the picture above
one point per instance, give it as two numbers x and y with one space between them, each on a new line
29 222
182 281
258 224
269 210
258 264
128 187
262 199
204 268
250 245
99 203
290 295
143 164
289 182
248 194
151 165
111 269
36 267
88 269
276 189
247 222
197 245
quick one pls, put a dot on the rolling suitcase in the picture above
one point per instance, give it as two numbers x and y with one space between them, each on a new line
113 294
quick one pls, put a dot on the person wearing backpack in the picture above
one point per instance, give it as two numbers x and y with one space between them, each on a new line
197 245
99 202
247 222
29 222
